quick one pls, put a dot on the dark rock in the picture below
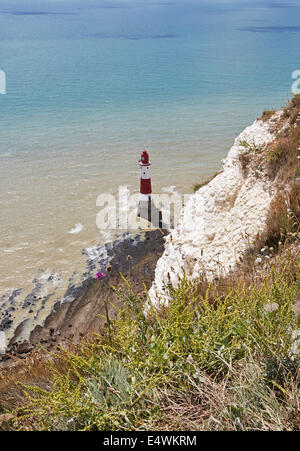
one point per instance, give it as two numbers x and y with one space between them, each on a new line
5 357
6 323
24 348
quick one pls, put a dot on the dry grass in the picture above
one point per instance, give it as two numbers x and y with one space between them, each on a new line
283 222
238 402
280 161
282 156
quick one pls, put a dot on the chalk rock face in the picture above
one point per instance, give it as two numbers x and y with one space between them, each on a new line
220 220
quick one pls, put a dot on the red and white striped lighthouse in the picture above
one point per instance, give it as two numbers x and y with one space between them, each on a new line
146 189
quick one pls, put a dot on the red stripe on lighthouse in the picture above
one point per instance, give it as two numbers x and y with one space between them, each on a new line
146 186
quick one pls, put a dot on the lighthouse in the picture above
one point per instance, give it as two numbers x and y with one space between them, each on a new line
145 204
145 188
147 210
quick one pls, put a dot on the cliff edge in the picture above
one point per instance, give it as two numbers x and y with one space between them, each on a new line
224 219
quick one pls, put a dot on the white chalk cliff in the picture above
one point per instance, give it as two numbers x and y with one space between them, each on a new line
221 220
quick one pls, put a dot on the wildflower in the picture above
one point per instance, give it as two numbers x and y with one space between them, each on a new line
100 275
258 260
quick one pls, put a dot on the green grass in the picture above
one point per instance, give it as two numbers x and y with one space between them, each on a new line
207 361
250 147
205 182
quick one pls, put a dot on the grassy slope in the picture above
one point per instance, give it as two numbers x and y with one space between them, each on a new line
217 358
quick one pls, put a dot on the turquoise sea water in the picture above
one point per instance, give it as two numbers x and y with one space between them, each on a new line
141 73
91 83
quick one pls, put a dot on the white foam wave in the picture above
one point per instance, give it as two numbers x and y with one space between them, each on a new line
76 229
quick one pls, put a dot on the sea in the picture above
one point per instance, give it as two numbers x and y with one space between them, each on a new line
90 84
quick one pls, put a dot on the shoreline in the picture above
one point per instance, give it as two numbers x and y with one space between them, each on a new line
77 313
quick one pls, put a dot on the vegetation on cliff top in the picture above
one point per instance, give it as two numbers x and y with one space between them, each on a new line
219 357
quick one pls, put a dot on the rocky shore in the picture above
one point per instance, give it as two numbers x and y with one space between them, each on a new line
79 312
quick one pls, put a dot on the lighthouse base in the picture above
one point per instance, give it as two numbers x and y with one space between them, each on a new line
145 197
147 210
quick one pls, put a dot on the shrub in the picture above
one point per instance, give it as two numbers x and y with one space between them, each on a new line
250 147
295 101
266 115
